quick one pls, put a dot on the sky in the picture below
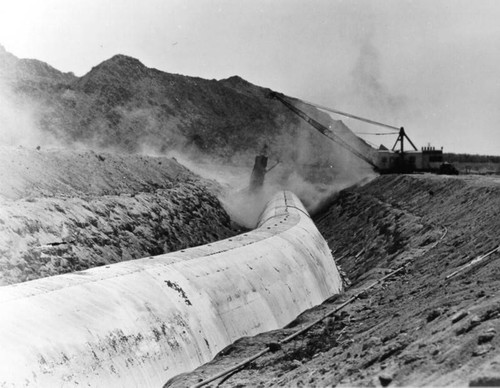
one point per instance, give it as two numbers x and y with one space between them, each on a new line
432 66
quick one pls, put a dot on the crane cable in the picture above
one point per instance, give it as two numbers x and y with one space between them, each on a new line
352 116
377 133
325 131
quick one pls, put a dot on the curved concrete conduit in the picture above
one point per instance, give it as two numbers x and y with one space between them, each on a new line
140 322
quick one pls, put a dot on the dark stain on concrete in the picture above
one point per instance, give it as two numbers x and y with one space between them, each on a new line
176 287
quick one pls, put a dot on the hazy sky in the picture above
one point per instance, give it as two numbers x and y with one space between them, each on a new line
431 66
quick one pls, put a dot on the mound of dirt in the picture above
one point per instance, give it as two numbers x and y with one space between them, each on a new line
124 106
47 172
63 211
418 327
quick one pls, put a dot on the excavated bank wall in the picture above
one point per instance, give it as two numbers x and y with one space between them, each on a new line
140 322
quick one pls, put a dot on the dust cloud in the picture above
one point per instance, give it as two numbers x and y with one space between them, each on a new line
18 122
245 206
313 170
300 159
367 84
296 166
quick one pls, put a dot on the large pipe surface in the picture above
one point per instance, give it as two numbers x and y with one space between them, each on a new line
140 322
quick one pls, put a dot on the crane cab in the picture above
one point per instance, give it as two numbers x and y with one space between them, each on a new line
428 159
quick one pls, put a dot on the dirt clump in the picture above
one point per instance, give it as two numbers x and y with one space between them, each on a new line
418 327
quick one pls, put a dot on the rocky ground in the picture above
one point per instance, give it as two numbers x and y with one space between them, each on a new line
419 326
68 210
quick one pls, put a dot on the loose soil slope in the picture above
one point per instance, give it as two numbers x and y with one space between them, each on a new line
417 328
64 211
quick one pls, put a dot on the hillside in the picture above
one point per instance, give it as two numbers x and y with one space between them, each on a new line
124 106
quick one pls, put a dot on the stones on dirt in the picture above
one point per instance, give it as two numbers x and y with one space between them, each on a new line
459 316
346 283
491 313
482 349
295 364
342 315
486 336
274 346
475 321
409 358
387 351
433 314
485 381
385 379
371 343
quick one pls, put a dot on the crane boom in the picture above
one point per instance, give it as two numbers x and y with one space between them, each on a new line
401 131
323 129
352 116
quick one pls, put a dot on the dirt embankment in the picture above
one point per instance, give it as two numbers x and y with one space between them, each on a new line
63 211
416 328
124 106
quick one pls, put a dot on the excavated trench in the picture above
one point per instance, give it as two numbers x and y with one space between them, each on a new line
419 327
140 322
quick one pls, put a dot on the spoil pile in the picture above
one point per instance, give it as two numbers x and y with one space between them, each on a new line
64 211
121 105
416 328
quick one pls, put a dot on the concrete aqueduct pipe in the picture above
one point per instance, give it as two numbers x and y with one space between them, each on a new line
140 322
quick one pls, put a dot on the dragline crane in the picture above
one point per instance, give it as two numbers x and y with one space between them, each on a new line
387 161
